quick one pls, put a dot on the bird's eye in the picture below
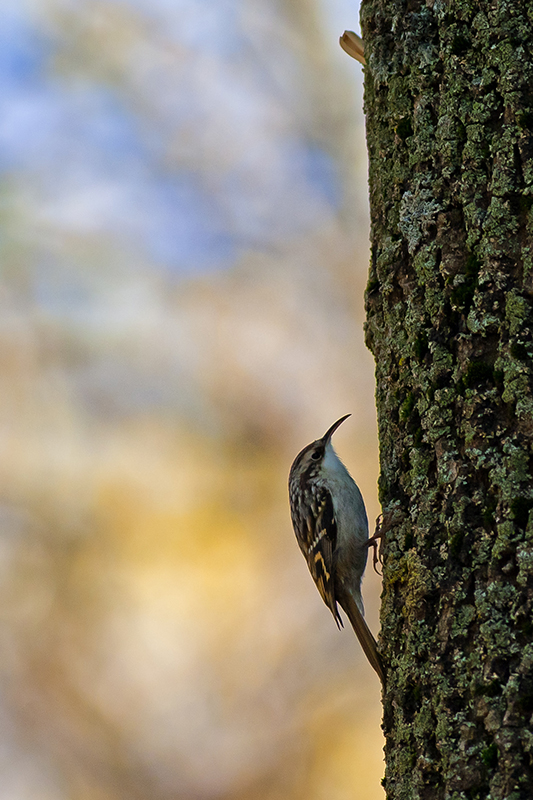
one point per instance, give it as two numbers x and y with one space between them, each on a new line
316 455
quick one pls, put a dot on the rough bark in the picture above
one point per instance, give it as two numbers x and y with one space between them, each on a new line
449 103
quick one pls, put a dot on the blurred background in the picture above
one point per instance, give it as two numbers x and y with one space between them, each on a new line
184 241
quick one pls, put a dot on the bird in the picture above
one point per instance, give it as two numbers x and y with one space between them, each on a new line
352 44
329 519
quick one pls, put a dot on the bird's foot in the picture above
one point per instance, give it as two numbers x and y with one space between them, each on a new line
373 542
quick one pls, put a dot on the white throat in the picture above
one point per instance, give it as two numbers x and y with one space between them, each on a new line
332 463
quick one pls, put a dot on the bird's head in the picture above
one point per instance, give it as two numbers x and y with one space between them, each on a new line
310 459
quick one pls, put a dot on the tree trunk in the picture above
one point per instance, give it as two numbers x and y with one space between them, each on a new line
449 103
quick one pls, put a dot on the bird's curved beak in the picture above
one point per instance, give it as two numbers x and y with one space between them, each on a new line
329 433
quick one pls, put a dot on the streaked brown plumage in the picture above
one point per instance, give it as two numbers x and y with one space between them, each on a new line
329 520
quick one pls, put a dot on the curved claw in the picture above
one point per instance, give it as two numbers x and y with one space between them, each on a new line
373 542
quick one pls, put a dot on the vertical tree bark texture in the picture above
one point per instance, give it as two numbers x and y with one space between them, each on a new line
449 103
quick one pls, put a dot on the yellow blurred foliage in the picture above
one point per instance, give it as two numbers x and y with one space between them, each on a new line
161 636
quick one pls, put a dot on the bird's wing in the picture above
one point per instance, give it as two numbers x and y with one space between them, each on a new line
320 540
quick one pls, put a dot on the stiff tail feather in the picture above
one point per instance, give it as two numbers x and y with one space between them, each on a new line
363 633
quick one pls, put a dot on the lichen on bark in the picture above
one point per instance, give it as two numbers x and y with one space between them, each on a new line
449 104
